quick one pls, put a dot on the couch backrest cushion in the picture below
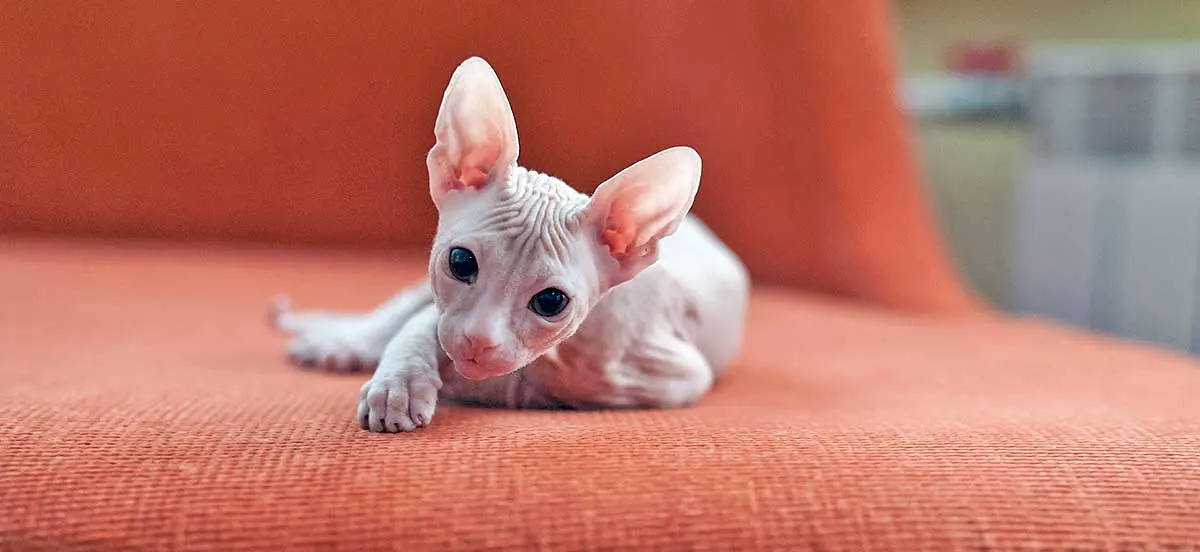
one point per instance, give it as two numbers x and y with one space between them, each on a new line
310 122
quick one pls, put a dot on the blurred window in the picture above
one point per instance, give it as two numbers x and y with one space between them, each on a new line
1120 114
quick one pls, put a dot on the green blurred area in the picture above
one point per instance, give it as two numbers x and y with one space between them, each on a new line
970 167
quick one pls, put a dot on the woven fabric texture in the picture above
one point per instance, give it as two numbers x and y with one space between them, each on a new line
144 405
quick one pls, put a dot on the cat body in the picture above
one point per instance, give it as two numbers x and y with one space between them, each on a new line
539 296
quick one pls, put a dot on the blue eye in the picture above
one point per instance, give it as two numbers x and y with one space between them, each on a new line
463 266
548 302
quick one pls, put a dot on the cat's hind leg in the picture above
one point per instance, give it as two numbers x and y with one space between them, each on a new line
659 371
347 342
666 372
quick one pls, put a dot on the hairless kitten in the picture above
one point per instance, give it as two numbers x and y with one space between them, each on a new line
539 296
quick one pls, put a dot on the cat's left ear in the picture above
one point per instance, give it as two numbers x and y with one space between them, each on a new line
642 204
476 133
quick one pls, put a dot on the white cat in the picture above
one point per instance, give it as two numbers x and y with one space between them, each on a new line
539 296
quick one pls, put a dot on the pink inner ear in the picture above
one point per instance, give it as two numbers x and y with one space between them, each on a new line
473 171
472 177
619 231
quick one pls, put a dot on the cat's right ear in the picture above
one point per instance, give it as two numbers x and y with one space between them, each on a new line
476 133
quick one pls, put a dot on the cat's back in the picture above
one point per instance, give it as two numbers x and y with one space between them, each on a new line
695 252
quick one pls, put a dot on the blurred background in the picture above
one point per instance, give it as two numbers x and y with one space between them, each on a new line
1060 143
1058 140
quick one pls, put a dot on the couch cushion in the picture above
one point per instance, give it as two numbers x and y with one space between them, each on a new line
144 404
172 119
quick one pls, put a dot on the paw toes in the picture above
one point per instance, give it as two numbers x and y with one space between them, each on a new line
305 350
302 351
344 363
397 403
303 362
397 409
403 422
421 411
377 398
420 418
377 407
423 401
364 414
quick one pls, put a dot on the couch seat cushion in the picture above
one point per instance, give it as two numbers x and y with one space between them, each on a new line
144 404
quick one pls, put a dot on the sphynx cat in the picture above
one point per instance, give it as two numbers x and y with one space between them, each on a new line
539 296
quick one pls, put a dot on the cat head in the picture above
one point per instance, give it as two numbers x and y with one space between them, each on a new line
520 258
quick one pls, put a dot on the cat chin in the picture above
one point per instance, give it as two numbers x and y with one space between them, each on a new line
474 371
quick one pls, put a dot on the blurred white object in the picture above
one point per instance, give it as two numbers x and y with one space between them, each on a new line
964 96
1107 215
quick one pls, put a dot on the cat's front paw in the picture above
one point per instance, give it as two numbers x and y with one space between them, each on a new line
398 400
335 343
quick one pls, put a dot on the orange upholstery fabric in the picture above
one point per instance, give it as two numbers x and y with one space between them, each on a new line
309 122
144 405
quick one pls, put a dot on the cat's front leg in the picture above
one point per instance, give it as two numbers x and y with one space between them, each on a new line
347 342
403 393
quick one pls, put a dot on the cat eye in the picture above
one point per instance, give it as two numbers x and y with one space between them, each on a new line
549 302
463 266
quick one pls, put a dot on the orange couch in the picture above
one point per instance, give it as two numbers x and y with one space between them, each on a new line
877 404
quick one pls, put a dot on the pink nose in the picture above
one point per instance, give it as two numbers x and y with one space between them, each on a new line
478 346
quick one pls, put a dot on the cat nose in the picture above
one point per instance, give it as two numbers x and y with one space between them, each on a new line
479 344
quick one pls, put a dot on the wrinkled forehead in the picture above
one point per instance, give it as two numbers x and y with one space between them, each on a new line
528 222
